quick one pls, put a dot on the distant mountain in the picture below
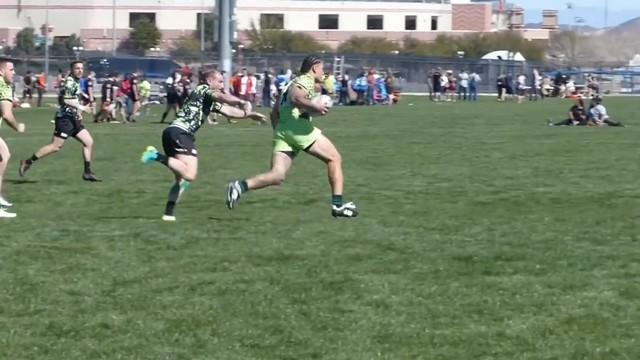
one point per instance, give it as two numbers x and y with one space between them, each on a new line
619 42
628 27
616 44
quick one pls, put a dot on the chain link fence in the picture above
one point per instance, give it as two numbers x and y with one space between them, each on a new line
413 71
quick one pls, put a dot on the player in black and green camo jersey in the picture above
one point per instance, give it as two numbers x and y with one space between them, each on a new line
68 122
294 132
6 112
178 142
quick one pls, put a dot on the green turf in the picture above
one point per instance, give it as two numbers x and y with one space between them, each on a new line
483 234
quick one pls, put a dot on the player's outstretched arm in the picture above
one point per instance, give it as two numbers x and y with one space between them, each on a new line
231 100
76 104
6 112
236 113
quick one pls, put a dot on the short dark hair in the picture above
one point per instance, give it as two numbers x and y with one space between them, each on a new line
308 63
73 63
204 75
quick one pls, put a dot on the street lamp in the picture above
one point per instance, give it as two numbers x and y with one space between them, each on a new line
240 55
77 50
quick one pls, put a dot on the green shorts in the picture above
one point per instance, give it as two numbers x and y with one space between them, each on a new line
295 135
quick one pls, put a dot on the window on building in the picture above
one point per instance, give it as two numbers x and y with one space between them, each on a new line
375 22
272 21
434 23
410 22
207 18
135 17
328 21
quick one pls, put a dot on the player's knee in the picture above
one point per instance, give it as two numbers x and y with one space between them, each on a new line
278 177
335 159
56 147
189 176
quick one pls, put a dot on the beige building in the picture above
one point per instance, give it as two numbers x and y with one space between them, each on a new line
330 21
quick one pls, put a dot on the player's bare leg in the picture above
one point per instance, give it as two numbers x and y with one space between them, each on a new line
5 155
185 170
56 145
84 137
280 164
324 150
175 194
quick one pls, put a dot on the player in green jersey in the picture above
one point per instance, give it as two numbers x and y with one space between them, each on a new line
6 112
294 132
68 122
178 142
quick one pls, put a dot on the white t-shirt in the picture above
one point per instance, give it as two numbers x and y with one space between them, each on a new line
599 113
444 81
522 81
464 79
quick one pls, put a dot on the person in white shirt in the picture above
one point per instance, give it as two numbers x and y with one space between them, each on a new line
253 88
444 85
598 114
463 85
522 87
244 81
536 83
474 79
570 88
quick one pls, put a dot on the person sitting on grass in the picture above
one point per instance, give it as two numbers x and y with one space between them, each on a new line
598 114
577 115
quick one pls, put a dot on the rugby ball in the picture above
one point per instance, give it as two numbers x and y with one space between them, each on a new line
325 100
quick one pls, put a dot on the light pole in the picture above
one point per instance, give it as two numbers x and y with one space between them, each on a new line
224 46
202 14
240 55
113 29
606 13
46 44
77 50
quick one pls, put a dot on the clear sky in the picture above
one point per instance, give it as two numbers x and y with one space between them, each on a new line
592 11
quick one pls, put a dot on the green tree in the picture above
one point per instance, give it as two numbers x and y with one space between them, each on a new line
186 47
571 47
474 45
368 45
268 41
64 46
25 41
145 35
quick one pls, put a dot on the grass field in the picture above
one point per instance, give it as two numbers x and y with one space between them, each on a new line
483 234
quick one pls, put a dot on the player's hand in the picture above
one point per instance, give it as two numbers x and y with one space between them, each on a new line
21 127
261 118
321 109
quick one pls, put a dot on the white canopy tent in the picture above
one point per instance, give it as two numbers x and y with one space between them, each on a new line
504 55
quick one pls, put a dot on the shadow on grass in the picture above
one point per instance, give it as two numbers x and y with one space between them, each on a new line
21 181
